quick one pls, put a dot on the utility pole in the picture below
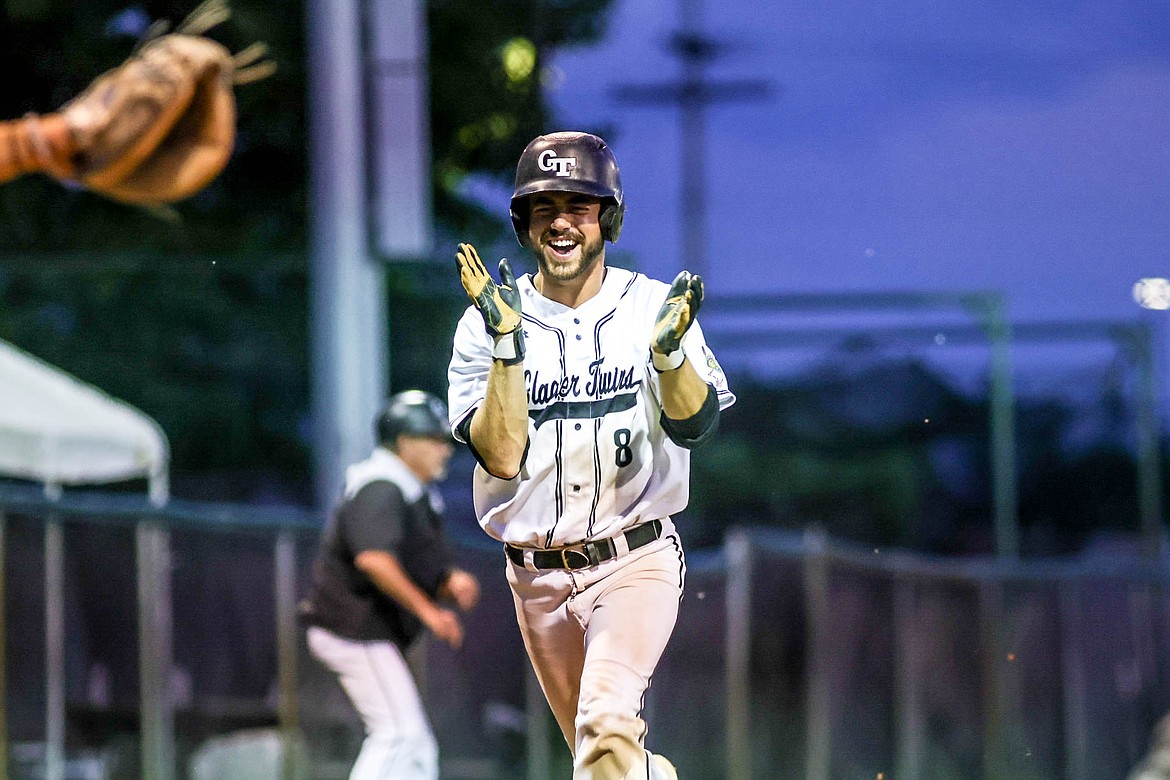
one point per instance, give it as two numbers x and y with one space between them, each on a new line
367 112
347 303
693 93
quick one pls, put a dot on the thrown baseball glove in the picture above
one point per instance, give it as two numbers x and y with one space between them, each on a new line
156 129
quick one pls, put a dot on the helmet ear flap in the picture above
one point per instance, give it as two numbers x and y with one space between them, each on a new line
519 214
568 162
610 220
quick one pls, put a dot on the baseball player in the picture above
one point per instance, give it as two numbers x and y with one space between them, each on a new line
378 578
581 390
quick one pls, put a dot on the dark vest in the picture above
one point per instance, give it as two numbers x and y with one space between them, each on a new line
343 600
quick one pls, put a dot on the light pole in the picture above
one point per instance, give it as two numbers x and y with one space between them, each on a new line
1153 295
694 94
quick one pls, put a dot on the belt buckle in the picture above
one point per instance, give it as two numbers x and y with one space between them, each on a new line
566 552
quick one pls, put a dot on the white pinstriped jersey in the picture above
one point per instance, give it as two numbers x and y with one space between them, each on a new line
598 460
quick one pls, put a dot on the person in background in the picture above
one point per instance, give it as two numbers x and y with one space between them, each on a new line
382 575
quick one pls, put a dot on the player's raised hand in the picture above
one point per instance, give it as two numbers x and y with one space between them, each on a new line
499 304
676 315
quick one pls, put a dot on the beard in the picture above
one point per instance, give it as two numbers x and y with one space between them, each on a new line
565 272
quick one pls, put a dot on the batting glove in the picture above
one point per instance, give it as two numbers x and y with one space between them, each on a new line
498 304
674 318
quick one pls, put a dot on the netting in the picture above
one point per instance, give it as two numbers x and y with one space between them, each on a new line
794 656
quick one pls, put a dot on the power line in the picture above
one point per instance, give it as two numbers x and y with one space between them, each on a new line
693 93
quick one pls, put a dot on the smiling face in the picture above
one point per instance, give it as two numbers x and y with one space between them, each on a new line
565 234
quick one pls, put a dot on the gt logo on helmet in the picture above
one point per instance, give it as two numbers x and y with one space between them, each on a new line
548 161
568 162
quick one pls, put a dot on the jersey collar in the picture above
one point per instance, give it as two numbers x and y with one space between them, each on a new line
615 282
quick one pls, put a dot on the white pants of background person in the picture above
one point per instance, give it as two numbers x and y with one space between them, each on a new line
399 744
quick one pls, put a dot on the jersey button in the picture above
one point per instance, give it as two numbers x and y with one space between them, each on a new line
576 321
578 337
577 426
576 488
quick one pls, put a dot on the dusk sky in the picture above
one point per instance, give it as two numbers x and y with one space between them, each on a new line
925 145
948 144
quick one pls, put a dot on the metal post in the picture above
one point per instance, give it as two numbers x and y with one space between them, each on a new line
400 149
54 650
1149 458
994 700
286 654
738 597
1076 716
692 143
819 694
1143 633
154 651
348 313
1003 429
908 674
694 94
3 659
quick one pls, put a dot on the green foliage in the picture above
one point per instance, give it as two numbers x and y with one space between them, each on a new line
256 205
214 353
483 113
889 455
826 450
201 319
422 326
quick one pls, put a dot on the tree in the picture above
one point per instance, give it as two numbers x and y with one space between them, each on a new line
201 321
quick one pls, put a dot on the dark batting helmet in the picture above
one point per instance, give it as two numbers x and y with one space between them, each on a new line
569 162
414 413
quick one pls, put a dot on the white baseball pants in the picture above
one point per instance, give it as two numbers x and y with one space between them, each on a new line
399 744
594 637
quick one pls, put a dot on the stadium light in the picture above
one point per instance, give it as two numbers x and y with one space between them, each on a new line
1152 293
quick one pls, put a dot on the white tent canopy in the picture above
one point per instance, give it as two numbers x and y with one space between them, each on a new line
57 430
60 431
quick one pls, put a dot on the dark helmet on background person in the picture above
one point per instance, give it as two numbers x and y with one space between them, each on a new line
414 413
569 162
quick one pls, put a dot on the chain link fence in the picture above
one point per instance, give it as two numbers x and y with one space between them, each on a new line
161 643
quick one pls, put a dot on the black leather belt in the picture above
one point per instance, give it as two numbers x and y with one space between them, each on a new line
582 556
